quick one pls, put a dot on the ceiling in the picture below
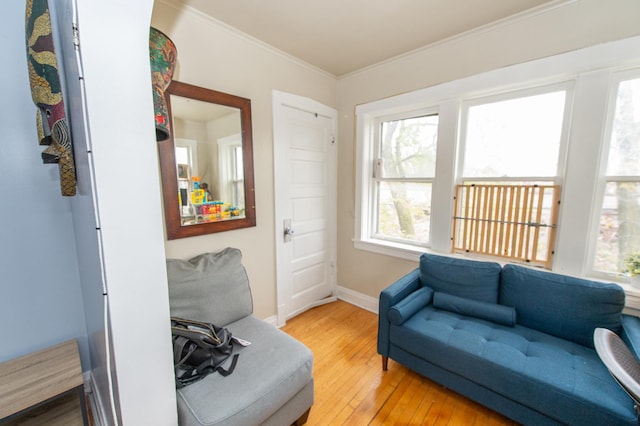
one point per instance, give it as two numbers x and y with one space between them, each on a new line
342 36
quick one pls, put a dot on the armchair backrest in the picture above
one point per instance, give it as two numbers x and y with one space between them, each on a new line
211 287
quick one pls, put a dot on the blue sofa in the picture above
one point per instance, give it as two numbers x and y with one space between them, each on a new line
515 339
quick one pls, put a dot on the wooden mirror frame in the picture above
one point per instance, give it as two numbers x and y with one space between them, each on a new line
167 154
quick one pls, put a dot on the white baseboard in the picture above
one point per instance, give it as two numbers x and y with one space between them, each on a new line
97 408
358 299
273 320
86 378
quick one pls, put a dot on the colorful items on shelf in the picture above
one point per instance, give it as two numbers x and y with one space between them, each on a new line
211 211
197 196
205 209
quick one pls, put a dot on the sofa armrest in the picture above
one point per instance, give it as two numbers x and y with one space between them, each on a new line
389 297
631 333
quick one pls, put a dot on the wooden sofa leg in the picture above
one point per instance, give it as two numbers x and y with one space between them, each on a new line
302 419
385 362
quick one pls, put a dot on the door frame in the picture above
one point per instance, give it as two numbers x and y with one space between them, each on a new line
281 101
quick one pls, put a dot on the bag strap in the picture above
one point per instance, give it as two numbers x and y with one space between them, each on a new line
191 374
229 370
178 346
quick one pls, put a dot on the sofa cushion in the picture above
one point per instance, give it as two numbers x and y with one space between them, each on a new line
211 287
500 314
270 372
560 378
461 277
402 311
560 305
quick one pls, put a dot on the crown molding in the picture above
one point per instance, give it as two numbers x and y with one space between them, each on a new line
180 6
491 26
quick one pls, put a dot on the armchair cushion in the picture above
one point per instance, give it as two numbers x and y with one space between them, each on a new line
211 287
272 371
500 314
404 309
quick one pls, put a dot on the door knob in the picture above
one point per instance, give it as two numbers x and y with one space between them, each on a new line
288 230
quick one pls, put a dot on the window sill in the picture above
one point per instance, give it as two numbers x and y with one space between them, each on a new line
388 248
632 299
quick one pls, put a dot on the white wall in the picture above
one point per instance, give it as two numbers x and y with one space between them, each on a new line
212 56
114 39
562 28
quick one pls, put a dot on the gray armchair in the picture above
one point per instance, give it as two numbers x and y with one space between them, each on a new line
272 383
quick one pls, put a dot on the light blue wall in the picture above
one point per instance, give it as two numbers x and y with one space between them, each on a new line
40 295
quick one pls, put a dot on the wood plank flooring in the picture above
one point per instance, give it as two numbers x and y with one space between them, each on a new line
352 389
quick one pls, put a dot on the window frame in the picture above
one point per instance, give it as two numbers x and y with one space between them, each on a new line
370 149
373 217
228 169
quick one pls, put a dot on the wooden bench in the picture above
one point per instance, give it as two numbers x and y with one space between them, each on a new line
38 378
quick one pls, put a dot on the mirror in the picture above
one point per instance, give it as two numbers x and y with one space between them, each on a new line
207 163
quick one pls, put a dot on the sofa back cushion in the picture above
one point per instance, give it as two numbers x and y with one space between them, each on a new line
461 277
563 306
211 287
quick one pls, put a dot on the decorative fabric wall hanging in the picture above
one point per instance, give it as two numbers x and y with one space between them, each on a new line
46 92
162 54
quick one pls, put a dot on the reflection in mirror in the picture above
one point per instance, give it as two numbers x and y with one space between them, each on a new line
207 166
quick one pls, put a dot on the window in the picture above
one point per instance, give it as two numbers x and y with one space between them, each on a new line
231 171
526 135
403 176
508 203
619 230
400 175
514 139
187 166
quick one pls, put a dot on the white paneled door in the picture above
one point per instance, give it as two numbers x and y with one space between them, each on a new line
305 198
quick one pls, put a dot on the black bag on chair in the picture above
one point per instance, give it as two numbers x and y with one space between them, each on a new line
200 348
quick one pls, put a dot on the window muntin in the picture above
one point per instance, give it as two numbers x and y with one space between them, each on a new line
403 175
619 225
516 137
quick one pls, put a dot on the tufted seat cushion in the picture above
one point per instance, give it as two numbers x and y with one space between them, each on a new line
565 378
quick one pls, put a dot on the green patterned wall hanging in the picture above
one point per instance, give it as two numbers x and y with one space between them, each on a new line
46 92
